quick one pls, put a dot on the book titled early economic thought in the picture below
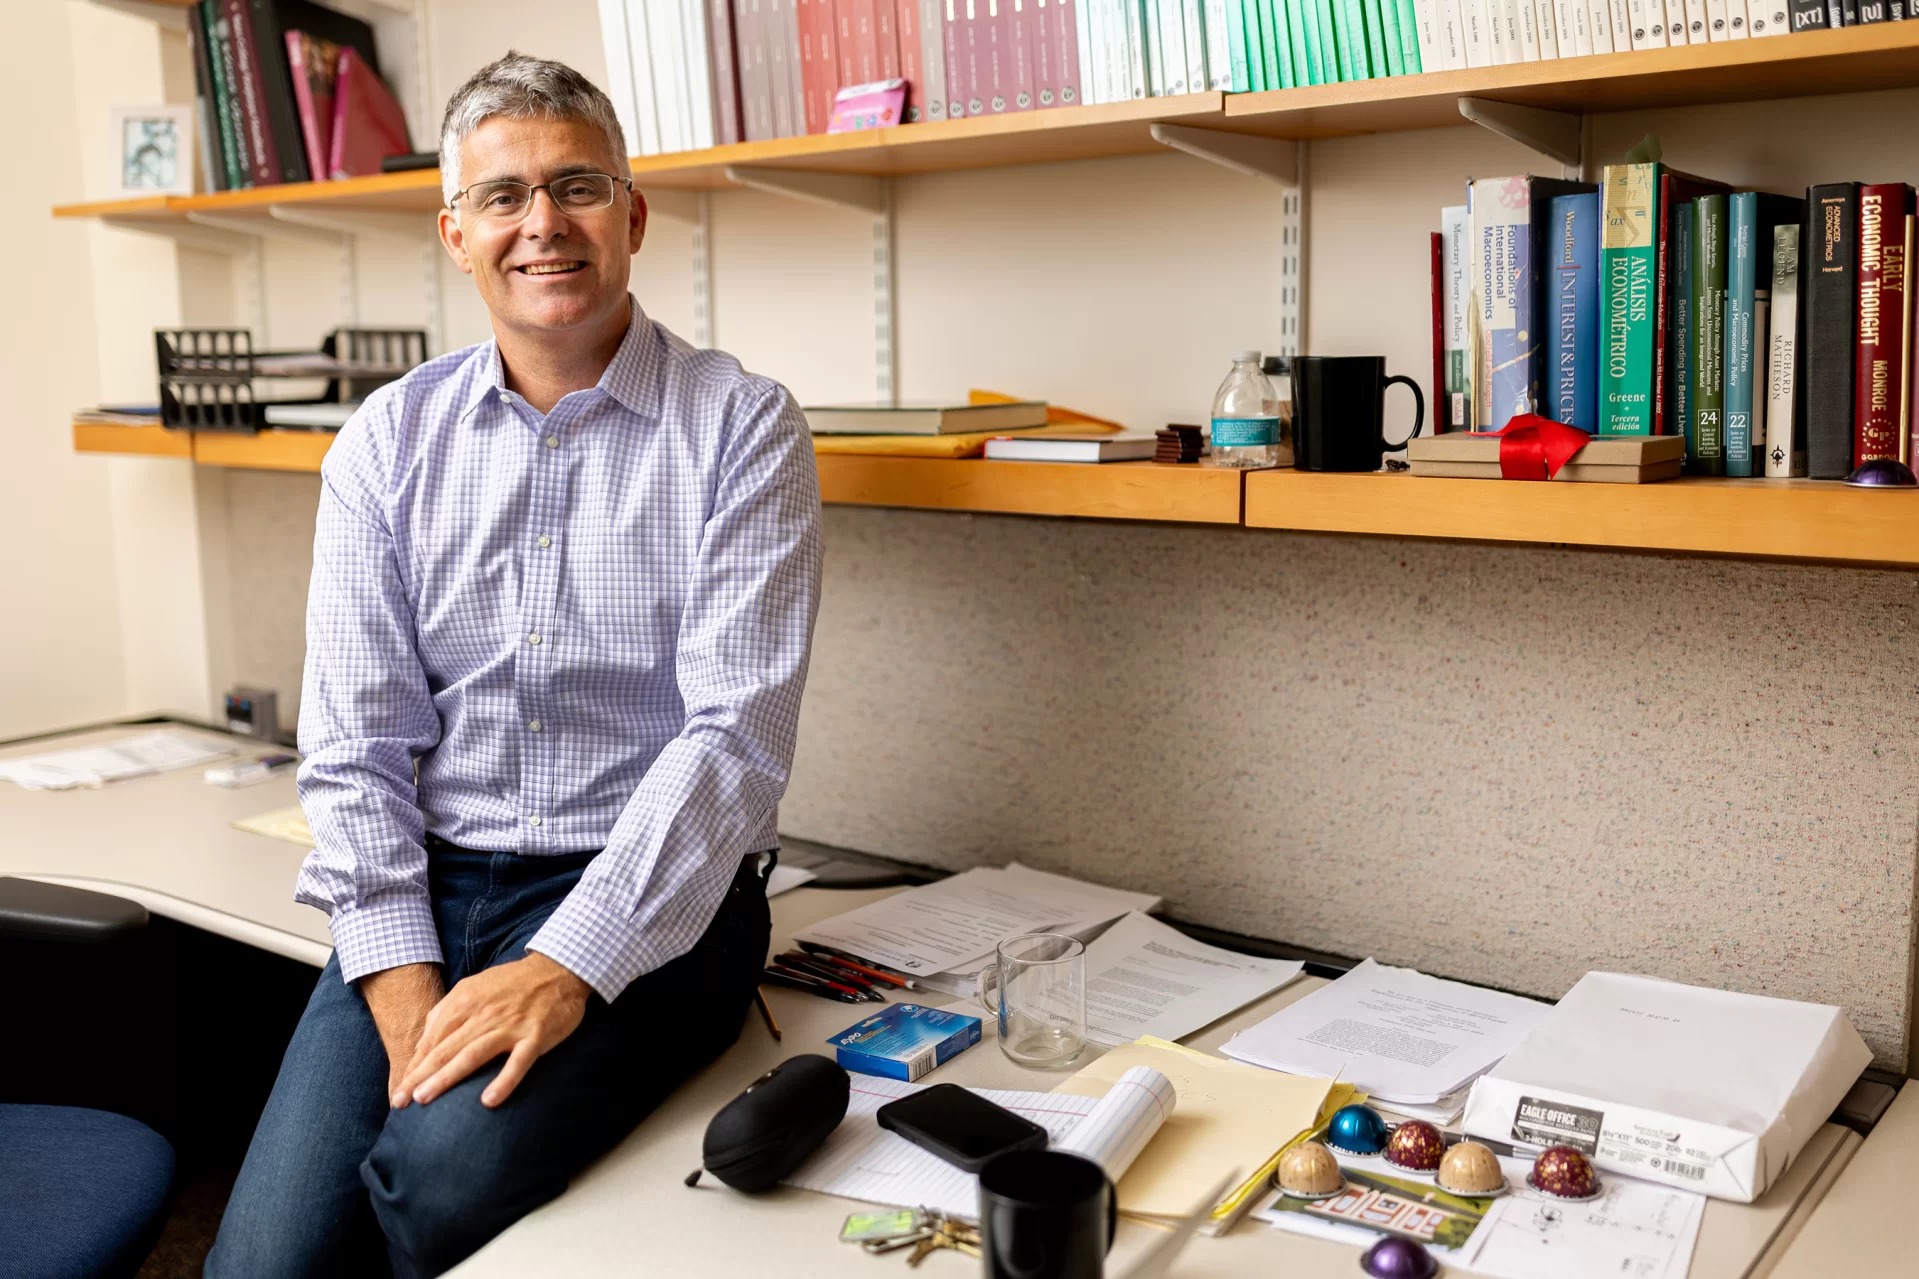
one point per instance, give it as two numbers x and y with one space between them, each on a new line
923 419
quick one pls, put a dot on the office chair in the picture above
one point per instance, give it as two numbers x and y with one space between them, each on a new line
83 1193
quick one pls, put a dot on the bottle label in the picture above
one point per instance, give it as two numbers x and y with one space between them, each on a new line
1243 432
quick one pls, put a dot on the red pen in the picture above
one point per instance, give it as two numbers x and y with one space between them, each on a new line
846 961
784 971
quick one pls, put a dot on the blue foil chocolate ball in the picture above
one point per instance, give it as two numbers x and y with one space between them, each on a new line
1356 1130
1394 1258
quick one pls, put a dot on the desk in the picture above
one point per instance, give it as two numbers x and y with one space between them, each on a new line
630 1214
164 840
1863 1226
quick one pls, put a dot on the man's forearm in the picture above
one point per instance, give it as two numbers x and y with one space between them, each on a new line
400 1000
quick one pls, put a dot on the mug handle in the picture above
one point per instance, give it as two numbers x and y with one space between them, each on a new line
989 978
1419 408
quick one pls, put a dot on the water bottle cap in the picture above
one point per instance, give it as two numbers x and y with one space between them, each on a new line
1240 357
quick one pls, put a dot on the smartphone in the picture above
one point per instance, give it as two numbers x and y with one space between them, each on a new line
960 1126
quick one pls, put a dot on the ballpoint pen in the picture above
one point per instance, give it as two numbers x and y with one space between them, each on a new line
826 972
813 986
871 970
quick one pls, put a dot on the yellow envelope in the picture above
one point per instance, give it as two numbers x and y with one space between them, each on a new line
1230 1115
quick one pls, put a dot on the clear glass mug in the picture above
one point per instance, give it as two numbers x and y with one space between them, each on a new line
1036 989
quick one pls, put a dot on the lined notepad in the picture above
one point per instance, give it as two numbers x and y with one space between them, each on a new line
861 1160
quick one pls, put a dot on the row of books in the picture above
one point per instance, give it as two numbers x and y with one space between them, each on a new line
1774 333
288 91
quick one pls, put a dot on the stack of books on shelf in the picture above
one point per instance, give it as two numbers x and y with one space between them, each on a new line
1774 333
288 91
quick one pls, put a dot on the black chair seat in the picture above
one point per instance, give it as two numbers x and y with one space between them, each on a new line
83 1193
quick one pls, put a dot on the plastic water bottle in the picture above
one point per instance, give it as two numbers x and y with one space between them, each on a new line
1246 417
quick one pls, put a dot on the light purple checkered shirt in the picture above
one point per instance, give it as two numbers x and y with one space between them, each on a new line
589 629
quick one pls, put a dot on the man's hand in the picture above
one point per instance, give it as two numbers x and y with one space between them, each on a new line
522 1009
400 1000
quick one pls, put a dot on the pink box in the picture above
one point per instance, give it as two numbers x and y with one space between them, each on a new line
868 106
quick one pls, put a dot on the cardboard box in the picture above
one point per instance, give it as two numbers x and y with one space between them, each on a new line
1702 1089
1606 459
904 1041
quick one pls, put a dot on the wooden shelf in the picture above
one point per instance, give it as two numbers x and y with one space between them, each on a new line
1805 64
1791 519
267 451
1111 491
1856 59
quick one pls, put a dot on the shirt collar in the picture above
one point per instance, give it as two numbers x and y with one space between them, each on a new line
632 377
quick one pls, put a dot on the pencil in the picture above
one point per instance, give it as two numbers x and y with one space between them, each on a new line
766 1011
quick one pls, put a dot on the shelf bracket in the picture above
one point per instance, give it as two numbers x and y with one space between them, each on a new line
206 239
392 226
836 190
1246 153
1554 134
695 208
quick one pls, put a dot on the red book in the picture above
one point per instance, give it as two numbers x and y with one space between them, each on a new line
958 68
252 92
368 125
1065 43
859 40
885 15
819 62
1043 53
912 70
993 36
1439 322
723 71
1879 375
1674 190
315 64
1911 450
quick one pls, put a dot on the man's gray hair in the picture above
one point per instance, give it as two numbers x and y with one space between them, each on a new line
523 88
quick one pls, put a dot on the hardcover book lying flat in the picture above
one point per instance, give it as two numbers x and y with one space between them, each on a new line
923 419
1606 459
1071 448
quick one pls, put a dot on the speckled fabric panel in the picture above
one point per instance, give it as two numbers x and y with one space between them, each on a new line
1504 764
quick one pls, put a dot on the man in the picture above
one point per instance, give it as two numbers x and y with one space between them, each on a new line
567 579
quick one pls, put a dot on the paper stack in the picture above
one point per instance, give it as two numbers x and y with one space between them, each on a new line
97 765
1413 1043
942 934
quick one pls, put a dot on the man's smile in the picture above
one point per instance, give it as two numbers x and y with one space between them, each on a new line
550 268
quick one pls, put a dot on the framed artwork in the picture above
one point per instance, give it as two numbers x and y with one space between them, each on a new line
153 150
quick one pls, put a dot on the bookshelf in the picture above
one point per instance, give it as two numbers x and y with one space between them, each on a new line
1751 519
1854 59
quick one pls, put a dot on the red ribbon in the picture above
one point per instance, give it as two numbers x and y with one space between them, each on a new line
1533 447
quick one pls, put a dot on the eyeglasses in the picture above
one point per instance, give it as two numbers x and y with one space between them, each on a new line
509 201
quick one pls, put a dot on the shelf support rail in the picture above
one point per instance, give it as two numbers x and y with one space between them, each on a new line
1554 134
695 208
1279 161
862 194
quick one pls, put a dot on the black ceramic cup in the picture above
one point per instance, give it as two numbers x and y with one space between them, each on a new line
1045 1215
1339 412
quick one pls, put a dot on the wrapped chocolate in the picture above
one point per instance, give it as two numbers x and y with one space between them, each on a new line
1394 1258
1564 1173
1356 1130
1473 1170
1309 1171
1415 1146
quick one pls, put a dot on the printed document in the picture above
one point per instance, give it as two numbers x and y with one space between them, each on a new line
97 765
1397 1034
1634 1228
1145 978
956 923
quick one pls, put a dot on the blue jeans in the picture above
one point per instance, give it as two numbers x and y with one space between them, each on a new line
336 1183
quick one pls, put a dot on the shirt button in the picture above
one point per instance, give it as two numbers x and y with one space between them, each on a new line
533 725
507 397
533 820
545 541
553 441
534 638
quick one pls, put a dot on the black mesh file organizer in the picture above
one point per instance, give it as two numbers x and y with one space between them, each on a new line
213 379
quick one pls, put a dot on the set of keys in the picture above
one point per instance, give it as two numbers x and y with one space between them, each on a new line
920 1229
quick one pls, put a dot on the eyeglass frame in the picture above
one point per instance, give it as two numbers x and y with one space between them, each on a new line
533 190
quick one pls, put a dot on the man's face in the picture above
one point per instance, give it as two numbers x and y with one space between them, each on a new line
551 270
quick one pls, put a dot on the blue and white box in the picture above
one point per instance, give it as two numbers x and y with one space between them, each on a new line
905 1041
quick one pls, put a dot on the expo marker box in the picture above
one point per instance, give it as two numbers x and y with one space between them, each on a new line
905 1041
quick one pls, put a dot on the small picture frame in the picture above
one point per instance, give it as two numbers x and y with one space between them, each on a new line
153 150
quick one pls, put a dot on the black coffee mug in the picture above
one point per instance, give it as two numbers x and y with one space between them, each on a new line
1339 412
1044 1214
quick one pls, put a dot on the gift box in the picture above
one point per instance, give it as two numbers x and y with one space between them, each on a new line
1604 459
